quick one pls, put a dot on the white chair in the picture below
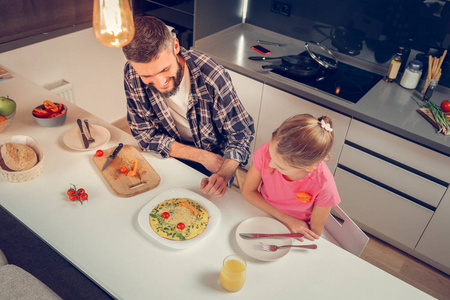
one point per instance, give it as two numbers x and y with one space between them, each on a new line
345 234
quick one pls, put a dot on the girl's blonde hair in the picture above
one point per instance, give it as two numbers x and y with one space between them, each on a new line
303 140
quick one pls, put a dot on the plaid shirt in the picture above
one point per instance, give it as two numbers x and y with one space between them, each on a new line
218 120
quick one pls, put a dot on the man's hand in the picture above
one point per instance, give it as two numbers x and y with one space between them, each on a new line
222 170
215 185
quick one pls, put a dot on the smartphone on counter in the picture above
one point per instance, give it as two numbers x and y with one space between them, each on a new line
261 49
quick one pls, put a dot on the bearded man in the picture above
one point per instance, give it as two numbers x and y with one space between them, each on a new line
183 104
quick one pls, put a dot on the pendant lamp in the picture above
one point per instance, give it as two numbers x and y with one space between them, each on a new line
113 22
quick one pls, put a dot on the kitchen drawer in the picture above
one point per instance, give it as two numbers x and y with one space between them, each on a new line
400 150
382 210
400 179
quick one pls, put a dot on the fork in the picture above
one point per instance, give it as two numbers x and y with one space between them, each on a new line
90 139
267 247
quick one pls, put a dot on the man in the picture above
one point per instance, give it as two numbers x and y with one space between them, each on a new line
182 104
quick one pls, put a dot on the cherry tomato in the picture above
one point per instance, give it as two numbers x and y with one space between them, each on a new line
99 153
73 197
180 226
80 192
165 215
71 192
123 169
445 105
83 197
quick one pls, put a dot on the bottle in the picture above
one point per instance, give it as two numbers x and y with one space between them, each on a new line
430 90
412 74
395 66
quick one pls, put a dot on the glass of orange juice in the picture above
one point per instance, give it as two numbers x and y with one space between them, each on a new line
232 275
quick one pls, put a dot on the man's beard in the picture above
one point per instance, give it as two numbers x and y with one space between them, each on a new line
176 83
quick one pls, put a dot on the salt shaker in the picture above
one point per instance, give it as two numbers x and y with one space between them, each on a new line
412 74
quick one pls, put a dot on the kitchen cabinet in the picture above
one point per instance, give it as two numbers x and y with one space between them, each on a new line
250 93
277 106
397 190
435 242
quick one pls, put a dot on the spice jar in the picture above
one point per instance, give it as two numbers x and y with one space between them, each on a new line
429 91
412 74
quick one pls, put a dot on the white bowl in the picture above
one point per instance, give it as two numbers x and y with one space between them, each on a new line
51 122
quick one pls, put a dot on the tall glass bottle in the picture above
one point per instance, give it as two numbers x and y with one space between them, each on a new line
395 66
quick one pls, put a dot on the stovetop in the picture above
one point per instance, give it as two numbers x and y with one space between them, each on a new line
346 82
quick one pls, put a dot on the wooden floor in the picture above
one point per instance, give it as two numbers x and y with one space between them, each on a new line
389 259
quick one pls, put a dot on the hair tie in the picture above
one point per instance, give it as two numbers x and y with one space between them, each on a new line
326 126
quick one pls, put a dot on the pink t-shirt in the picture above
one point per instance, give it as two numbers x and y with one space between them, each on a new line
281 193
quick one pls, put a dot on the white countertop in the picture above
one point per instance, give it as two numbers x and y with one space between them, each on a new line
102 237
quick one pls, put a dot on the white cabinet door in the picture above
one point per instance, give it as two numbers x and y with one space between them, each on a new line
380 211
277 106
250 93
435 241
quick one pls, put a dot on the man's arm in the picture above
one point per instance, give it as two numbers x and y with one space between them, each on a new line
209 160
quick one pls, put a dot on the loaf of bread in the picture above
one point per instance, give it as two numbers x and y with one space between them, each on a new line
18 157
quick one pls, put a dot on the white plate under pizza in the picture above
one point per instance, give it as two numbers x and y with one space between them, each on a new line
212 210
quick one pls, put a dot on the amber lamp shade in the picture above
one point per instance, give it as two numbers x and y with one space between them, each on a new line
113 22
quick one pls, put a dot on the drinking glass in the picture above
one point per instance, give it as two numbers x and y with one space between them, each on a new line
232 275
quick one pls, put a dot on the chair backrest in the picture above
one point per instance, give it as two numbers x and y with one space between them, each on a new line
346 233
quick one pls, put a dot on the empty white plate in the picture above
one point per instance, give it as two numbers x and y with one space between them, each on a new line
72 138
252 248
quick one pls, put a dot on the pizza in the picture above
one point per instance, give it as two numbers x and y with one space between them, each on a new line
179 219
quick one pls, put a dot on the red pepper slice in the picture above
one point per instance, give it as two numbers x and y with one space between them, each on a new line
49 105
41 113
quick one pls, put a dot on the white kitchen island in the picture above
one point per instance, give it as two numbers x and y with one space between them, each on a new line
102 237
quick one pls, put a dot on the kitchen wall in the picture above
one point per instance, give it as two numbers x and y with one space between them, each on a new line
214 16
95 71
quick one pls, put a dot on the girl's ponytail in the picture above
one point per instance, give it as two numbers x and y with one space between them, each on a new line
303 140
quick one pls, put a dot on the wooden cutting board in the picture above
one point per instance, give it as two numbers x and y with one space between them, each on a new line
428 115
122 185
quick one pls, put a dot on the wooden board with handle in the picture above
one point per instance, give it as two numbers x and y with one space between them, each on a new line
428 115
122 185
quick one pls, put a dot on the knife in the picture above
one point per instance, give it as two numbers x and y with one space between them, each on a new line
263 235
111 157
85 140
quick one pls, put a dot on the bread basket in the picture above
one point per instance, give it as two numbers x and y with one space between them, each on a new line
21 176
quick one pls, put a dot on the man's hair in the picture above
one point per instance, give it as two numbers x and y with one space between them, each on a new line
302 141
151 37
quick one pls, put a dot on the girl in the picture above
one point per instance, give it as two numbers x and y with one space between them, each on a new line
297 188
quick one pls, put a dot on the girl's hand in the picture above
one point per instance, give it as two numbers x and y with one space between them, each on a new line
299 226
